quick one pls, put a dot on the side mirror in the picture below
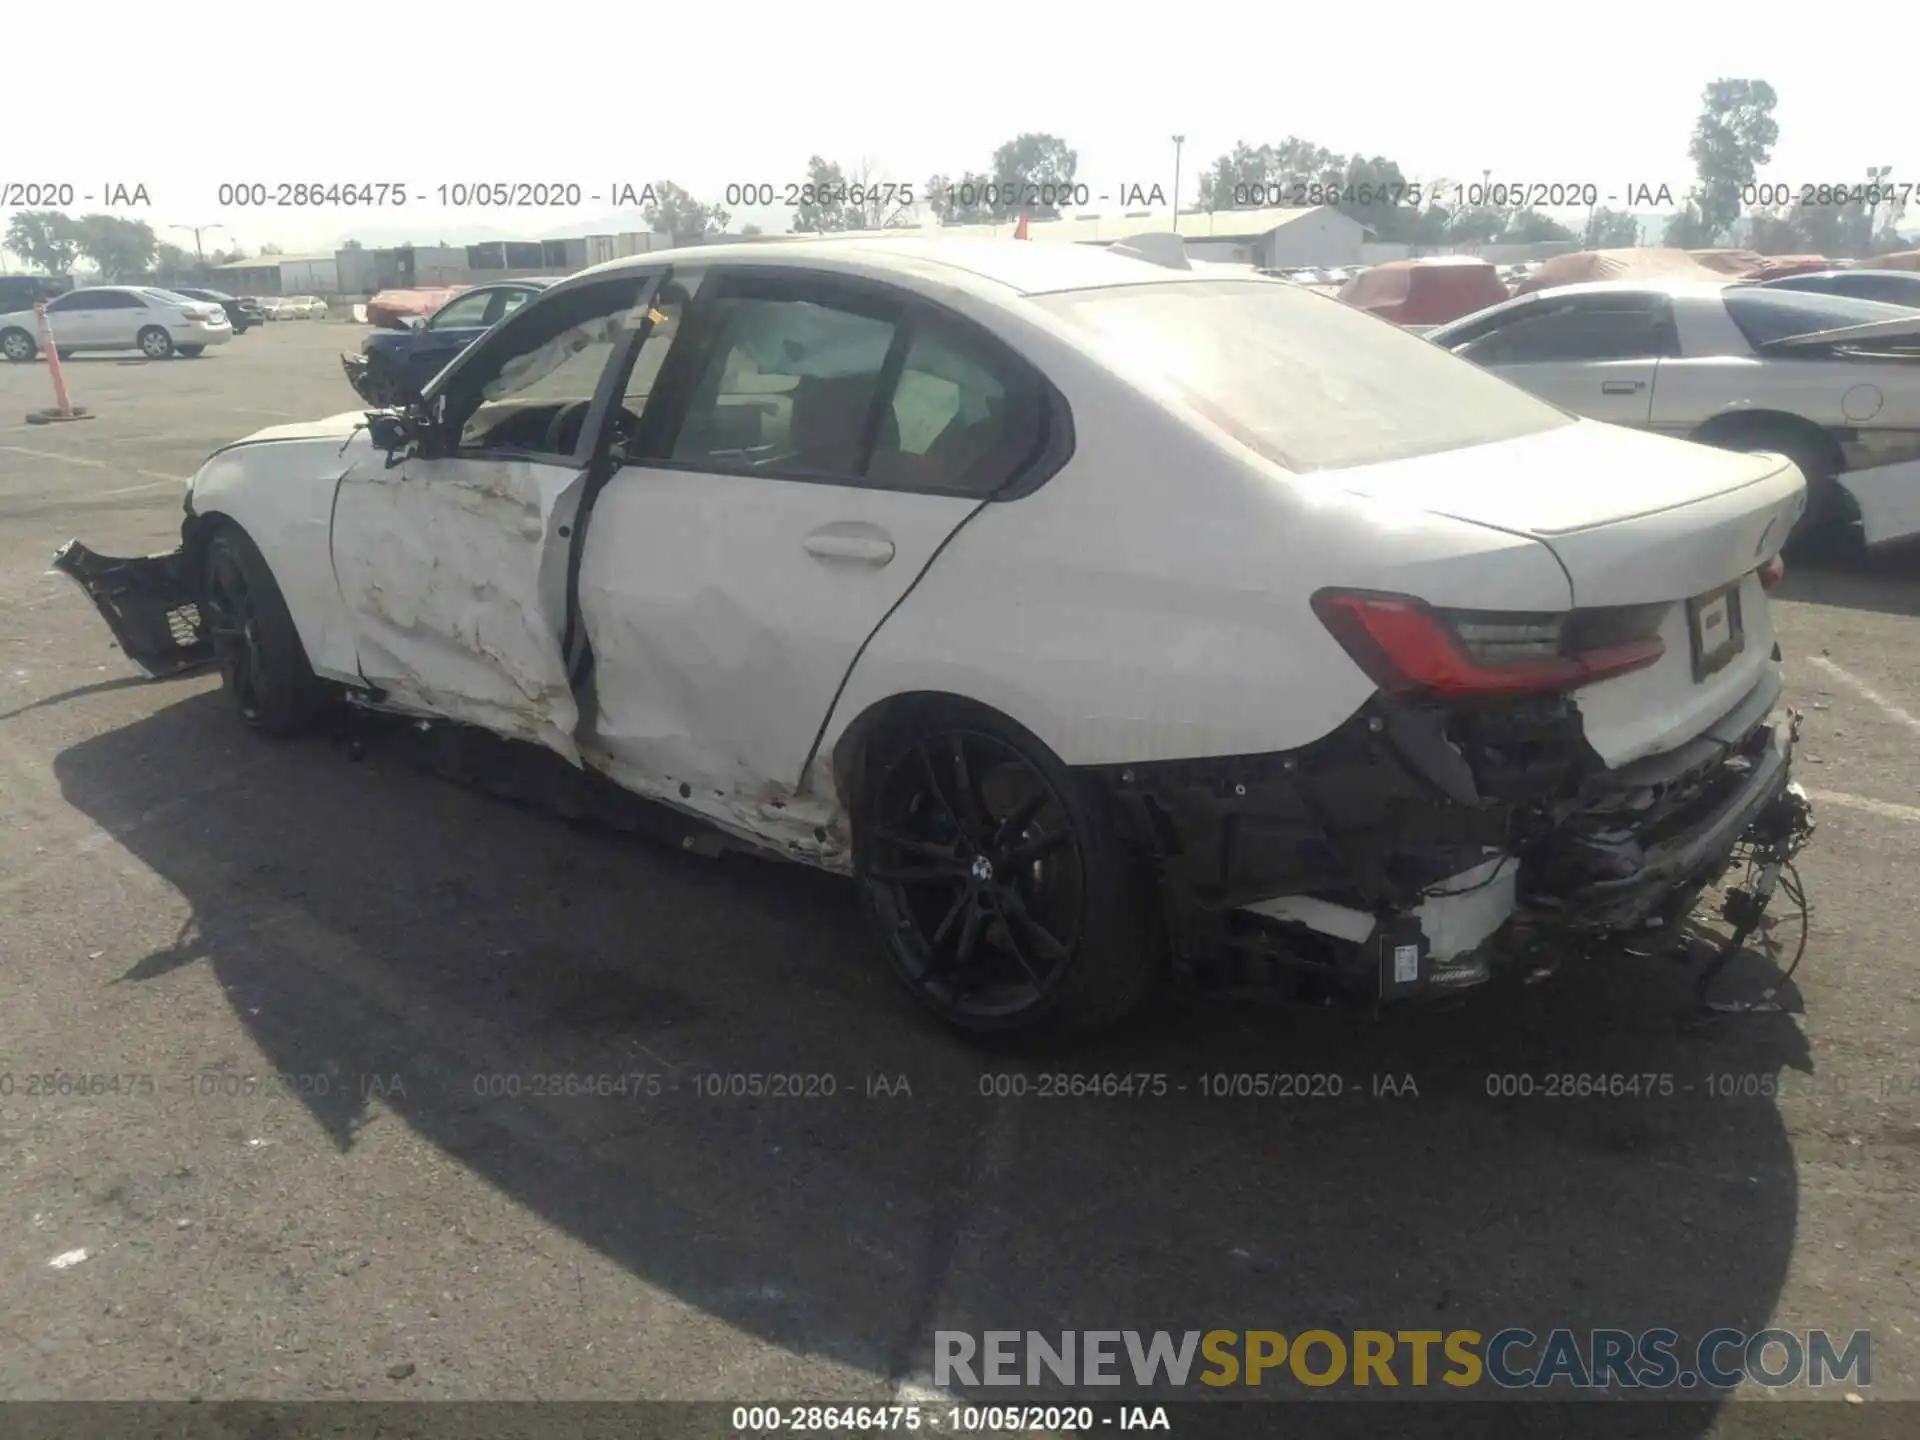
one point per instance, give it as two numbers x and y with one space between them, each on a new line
389 430
414 322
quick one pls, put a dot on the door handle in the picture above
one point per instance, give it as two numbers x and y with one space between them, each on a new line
1621 387
837 545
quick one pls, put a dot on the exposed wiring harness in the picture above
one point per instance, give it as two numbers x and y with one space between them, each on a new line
1768 849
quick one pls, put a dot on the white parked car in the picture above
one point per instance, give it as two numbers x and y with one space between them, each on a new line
276 307
1066 601
306 307
1830 381
157 323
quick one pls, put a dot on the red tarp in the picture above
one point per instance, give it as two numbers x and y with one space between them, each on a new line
1645 262
1730 262
391 307
1425 292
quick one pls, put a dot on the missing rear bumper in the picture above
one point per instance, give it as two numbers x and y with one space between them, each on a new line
149 603
1401 863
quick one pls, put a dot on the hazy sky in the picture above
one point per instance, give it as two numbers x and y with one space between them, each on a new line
595 92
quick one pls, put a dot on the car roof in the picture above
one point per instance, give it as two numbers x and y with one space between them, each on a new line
1909 275
1678 289
994 268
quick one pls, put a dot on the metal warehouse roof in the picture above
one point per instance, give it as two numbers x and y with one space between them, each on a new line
262 262
1101 228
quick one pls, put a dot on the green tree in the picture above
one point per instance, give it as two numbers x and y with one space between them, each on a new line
1476 224
1234 179
824 206
1529 227
1732 139
1370 189
1031 159
1687 229
118 247
962 201
673 211
170 262
1610 230
49 240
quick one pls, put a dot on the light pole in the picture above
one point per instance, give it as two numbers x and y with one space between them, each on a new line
1178 141
1877 175
198 231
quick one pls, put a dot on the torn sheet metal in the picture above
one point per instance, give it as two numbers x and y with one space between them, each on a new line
457 595
149 603
1889 500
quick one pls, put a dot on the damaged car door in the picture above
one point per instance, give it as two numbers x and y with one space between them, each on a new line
810 445
451 552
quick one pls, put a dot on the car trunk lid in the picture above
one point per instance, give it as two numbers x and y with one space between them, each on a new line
1631 517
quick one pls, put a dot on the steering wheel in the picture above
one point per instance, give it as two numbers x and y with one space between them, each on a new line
550 443
625 425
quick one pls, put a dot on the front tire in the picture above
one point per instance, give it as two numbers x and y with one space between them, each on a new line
992 875
155 343
18 346
263 665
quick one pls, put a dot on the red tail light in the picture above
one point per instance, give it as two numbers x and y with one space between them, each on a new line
1772 573
1406 646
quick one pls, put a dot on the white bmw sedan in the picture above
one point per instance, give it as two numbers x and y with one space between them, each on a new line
1099 618
1830 381
157 323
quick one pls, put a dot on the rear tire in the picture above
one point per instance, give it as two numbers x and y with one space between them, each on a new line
1827 525
18 346
995 882
155 343
263 665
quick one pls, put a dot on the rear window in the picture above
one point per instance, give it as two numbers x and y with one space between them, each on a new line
1765 315
1306 381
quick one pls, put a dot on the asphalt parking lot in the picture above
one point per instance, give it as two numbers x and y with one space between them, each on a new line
329 988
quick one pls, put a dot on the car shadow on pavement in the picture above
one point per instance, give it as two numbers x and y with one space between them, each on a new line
1880 580
368 922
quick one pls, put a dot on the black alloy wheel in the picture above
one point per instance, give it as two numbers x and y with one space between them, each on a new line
233 624
995 889
262 662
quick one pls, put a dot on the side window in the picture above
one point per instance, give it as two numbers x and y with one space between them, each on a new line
462 312
76 300
786 385
512 300
529 388
123 300
961 422
1580 330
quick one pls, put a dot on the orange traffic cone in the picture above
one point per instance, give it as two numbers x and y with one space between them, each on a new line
1020 230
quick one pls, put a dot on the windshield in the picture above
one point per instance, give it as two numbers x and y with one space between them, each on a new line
1308 382
1765 315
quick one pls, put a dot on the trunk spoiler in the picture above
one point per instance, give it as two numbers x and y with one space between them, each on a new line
1903 327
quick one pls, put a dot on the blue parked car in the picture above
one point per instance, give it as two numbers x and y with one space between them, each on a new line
393 365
